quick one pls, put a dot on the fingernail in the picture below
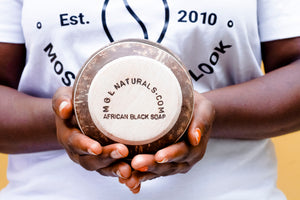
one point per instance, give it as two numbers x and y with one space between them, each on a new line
116 154
143 169
163 161
91 152
197 135
136 186
118 173
62 106
94 149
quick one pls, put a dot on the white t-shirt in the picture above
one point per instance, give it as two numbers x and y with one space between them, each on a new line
219 42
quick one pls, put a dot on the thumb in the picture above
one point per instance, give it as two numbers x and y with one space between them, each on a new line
194 133
62 102
203 118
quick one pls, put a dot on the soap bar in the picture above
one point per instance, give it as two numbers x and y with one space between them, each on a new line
134 92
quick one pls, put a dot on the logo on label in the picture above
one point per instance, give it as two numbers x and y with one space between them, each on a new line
137 19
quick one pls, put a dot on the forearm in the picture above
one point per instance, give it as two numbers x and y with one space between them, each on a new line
264 107
27 124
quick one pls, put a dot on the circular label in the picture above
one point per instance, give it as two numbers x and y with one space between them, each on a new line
134 100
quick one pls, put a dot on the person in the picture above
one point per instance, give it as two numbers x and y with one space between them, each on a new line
237 108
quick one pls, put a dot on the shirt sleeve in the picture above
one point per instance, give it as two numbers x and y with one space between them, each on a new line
10 21
278 19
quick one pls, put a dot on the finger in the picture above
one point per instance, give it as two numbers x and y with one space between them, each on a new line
82 144
103 166
115 151
202 120
132 182
108 156
92 155
136 178
119 169
62 102
73 140
143 162
194 133
136 190
149 164
175 152
90 162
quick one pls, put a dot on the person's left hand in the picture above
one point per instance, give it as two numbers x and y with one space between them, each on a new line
179 157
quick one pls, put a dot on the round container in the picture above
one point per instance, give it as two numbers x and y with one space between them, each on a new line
134 92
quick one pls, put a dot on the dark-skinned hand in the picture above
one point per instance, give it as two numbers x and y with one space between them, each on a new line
107 160
179 157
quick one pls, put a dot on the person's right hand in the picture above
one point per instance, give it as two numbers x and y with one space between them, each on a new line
81 149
